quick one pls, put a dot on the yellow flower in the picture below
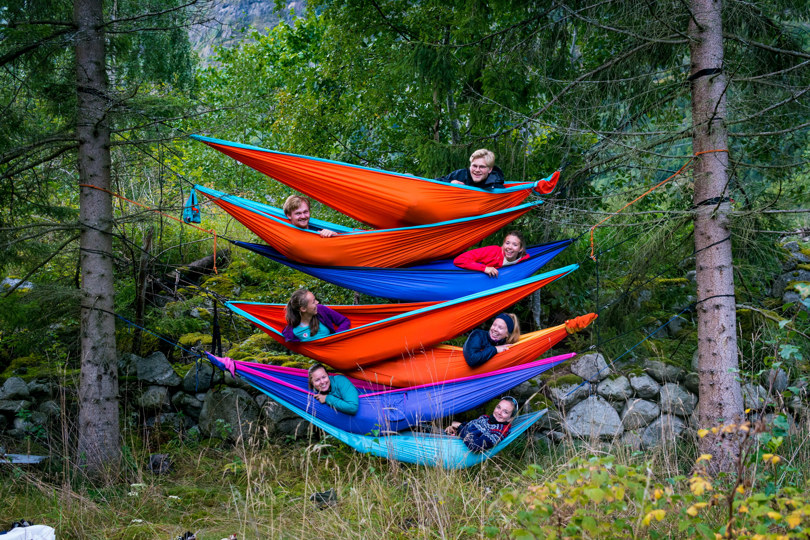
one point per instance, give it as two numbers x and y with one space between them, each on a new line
774 515
742 509
702 433
741 489
704 457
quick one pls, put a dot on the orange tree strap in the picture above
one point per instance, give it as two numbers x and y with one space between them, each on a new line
210 231
691 159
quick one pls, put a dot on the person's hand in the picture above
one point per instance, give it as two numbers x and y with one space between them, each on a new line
326 233
452 429
321 398
491 271
456 182
501 348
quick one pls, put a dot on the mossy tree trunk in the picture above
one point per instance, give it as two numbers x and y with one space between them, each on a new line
720 393
99 448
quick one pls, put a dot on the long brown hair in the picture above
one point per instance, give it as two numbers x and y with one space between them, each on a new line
293 311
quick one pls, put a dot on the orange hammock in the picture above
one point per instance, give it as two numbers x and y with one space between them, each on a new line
351 247
381 199
382 331
446 362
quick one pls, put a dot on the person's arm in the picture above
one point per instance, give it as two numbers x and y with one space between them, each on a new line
455 177
471 260
480 439
344 396
288 334
326 233
478 349
336 320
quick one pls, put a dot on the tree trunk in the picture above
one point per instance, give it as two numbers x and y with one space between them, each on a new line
99 448
720 393
140 288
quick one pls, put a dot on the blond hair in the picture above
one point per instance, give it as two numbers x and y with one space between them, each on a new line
293 203
488 155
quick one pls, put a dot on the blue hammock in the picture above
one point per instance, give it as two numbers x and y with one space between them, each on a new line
438 280
427 449
388 410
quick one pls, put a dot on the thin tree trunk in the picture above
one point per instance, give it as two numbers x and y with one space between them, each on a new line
720 394
99 448
140 287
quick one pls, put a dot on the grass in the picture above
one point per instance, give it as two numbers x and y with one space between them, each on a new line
263 490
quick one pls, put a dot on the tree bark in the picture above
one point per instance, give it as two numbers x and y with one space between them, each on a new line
99 449
720 394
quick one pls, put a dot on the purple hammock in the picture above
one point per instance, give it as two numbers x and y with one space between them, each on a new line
387 410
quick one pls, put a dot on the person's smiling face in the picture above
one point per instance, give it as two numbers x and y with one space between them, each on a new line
320 381
479 170
498 330
511 247
503 411
300 216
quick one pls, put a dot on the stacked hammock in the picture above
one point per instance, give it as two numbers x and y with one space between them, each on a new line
446 362
438 280
389 410
381 199
375 247
382 331
417 448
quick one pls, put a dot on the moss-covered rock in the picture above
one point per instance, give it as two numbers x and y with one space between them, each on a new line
563 380
672 282
195 339
223 285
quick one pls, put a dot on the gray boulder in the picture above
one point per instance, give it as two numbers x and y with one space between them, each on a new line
617 389
779 285
14 388
663 372
13 406
229 414
674 399
591 367
49 408
666 428
775 379
155 369
297 428
552 420
645 386
154 398
128 364
692 382
199 378
593 418
792 246
190 405
676 324
568 395
40 389
632 440
638 413
755 397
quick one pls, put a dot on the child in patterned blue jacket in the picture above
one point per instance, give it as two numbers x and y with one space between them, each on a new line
486 431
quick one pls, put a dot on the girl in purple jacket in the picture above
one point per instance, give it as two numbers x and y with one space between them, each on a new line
488 259
308 320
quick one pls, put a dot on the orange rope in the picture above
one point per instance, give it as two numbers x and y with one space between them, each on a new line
691 159
210 231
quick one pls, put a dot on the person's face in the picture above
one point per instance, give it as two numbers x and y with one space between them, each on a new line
479 170
503 411
498 330
311 307
300 216
511 247
320 381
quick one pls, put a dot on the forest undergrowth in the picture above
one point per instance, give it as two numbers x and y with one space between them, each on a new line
316 486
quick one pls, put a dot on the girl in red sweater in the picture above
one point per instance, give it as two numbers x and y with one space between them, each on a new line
488 259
